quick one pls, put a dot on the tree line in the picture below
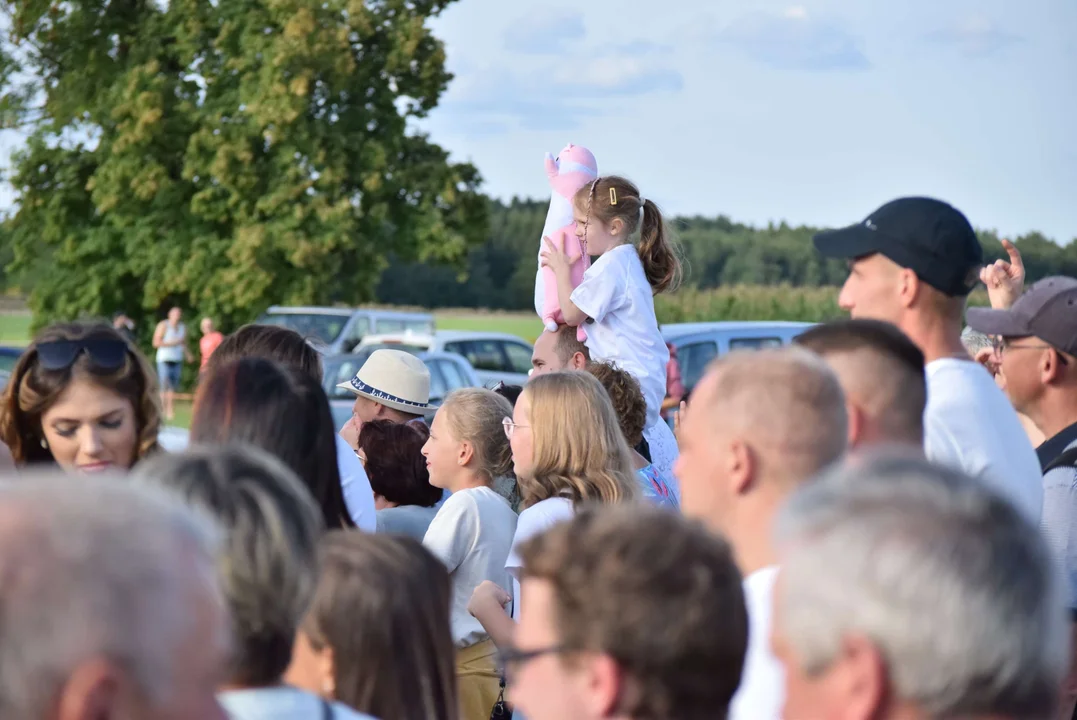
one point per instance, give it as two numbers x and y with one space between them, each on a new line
718 252
226 156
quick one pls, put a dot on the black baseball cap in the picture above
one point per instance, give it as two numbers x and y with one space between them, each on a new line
931 238
1047 310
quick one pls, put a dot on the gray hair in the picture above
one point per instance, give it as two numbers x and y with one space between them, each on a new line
953 586
974 341
91 568
789 403
268 567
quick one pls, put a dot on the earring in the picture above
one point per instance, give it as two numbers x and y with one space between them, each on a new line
44 443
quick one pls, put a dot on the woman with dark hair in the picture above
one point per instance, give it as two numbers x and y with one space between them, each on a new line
81 397
282 411
290 349
392 456
376 636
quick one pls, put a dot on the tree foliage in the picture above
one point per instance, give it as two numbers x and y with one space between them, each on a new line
225 155
718 252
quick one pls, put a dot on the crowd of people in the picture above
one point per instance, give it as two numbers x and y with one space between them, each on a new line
854 527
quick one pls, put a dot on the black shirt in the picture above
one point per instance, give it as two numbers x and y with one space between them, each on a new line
1055 446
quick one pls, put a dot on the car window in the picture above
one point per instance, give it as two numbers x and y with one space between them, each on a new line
482 354
455 377
316 325
693 359
519 357
438 390
342 373
419 327
456 347
359 328
754 343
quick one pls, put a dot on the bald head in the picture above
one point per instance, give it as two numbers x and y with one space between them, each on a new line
758 424
786 403
881 372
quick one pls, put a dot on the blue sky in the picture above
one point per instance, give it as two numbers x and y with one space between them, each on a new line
808 111
813 112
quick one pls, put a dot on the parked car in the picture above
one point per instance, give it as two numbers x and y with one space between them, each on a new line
496 357
341 329
448 372
699 343
9 356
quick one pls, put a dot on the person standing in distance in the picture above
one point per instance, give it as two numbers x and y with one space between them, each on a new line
170 338
210 341
913 262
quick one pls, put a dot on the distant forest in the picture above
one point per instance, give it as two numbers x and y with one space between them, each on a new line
500 273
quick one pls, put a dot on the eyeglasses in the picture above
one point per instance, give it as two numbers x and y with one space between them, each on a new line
105 353
510 427
1002 344
511 659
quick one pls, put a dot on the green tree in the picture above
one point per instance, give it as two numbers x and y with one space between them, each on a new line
226 155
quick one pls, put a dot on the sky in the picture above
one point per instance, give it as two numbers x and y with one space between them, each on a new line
813 112
809 111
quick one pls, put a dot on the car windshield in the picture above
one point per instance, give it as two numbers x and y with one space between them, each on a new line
325 328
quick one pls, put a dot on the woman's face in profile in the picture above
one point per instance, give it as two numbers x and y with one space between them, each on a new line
521 438
91 429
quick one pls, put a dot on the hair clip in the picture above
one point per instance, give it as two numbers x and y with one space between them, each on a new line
613 196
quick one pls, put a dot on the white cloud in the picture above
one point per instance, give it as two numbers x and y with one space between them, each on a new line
795 40
975 36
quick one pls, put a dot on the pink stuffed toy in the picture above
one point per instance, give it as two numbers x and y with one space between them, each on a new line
574 167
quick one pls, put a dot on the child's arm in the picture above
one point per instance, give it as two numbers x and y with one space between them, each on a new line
487 605
556 259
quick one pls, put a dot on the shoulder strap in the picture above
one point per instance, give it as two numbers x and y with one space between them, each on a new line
327 710
1067 459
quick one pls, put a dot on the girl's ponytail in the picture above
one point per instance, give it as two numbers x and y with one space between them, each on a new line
657 251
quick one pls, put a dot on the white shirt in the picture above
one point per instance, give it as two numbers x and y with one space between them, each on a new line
762 687
664 451
969 424
282 703
534 520
471 535
616 295
358 497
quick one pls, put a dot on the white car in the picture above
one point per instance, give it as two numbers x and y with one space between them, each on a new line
496 357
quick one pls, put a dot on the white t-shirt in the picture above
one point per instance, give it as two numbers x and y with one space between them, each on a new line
616 295
358 497
969 424
282 703
762 687
471 535
663 447
534 520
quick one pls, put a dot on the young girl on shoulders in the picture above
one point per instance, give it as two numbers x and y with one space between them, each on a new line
616 297
474 529
567 450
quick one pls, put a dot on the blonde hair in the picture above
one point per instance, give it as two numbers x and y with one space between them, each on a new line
580 452
477 416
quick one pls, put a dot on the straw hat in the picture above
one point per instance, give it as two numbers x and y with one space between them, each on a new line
395 379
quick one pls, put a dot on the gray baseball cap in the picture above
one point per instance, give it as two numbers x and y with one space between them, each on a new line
1047 310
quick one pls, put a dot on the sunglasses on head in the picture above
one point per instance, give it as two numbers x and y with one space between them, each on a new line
104 353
